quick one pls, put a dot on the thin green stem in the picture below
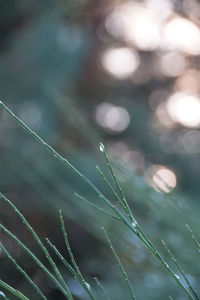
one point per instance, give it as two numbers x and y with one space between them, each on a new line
103 291
126 221
124 202
97 207
13 291
69 267
78 272
68 246
23 272
130 215
38 262
112 189
36 237
180 270
124 274
84 284
193 237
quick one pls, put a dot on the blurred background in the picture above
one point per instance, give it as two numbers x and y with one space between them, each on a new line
122 72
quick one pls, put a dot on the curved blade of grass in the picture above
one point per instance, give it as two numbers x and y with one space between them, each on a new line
97 207
69 267
123 202
180 270
36 237
78 272
143 237
141 234
38 262
193 237
84 284
124 274
66 162
68 246
103 291
112 189
13 291
23 272
101 195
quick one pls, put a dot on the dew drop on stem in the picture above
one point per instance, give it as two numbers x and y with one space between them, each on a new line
88 286
2 294
101 147
134 224
178 277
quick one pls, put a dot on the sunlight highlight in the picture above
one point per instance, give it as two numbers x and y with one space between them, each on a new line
120 62
184 109
172 64
181 34
136 24
111 117
164 179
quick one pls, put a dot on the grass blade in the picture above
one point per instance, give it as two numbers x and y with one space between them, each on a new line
110 187
180 270
193 237
78 272
23 272
124 274
38 262
103 291
97 207
127 222
13 291
86 286
123 201
36 237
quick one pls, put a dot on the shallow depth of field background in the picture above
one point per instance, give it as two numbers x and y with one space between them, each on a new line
122 72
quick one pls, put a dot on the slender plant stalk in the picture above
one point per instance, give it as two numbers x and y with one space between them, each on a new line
85 285
124 274
76 268
36 237
103 291
124 202
69 267
97 207
143 237
13 291
135 228
193 237
112 190
68 246
39 263
23 272
180 270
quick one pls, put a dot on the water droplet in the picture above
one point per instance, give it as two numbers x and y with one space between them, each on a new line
2 294
167 266
88 286
178 277
134 223
101 147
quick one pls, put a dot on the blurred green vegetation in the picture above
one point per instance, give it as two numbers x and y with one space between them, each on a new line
52 76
